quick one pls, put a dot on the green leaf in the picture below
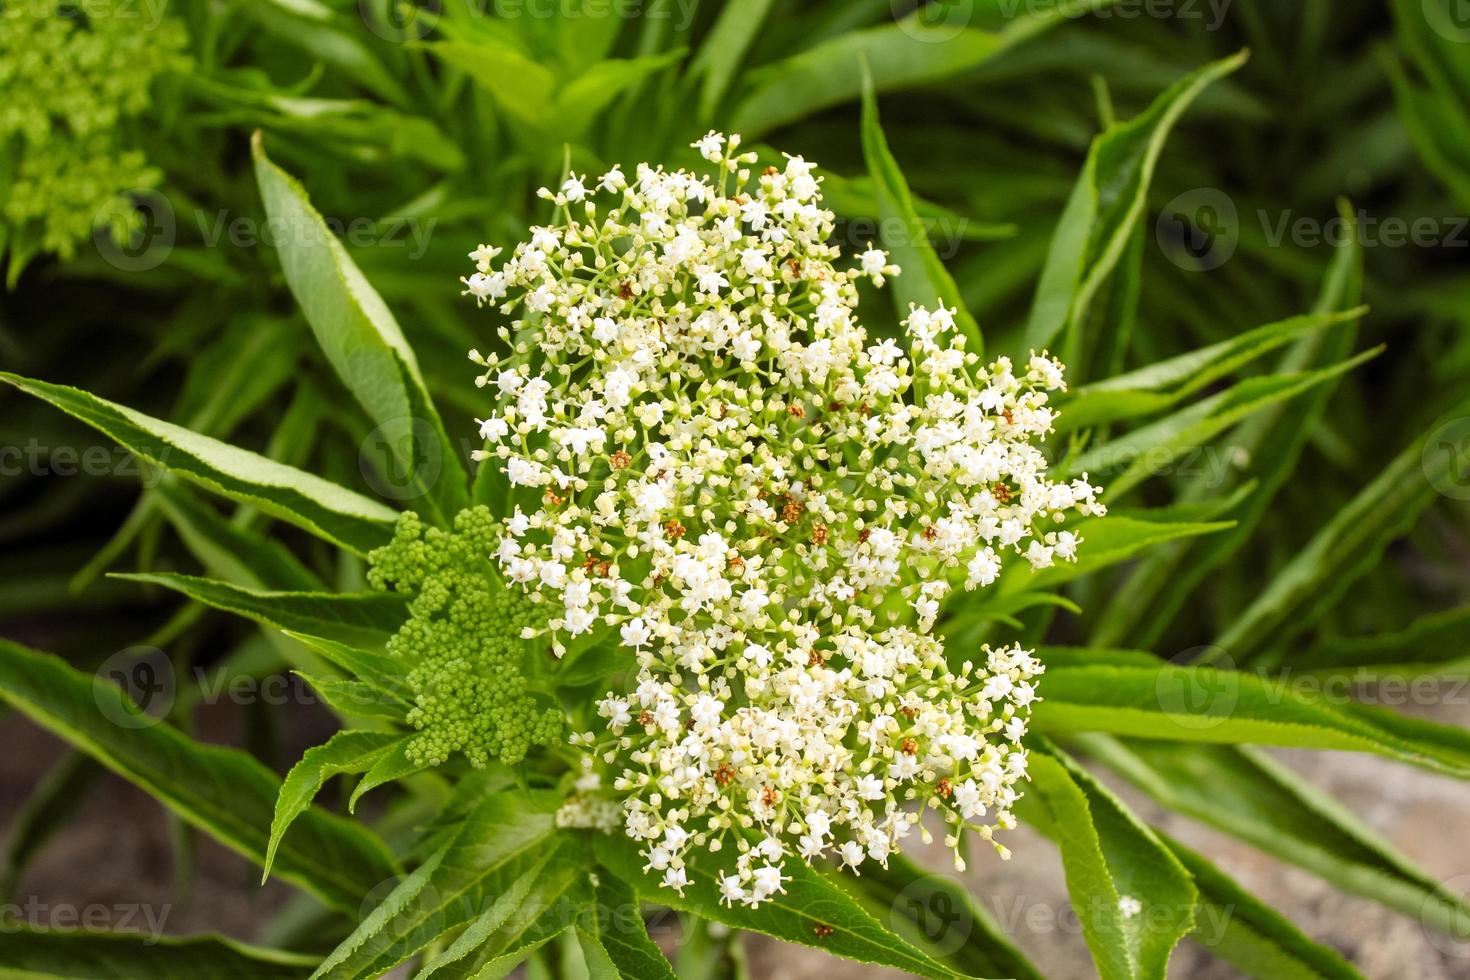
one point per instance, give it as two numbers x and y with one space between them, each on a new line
937 914
366 347
1164 383
384 674
1434 644
364 619
326 36
1147 698
1272 440
924 280
1350 544
1109 855
224 792
719 57
810 903
345 752
389 767
1248 934
36 954
1247 794
325 509
1106 204
910 52
1109 540
356 699
231 548
615 938
500 840
1153 447
484 927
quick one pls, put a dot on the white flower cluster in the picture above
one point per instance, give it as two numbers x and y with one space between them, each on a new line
767 507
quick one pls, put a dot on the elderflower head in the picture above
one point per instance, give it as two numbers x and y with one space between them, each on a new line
766 507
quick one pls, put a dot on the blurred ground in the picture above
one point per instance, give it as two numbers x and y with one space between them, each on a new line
115 861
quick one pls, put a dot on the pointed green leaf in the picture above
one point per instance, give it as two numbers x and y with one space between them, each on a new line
224 792
321 507
365 345
36 954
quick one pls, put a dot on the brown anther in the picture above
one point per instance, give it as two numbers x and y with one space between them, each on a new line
791 511
865 409
740 199
770 171
864 534
590 562
797 410
645 718
625 290
620 460
819 535
724 775
737 564
553 499
909 713
815 659
822 931
944 789
794 266
909 747
834 406
673 530
929 533
603 567
1009 417
769 796
1000 492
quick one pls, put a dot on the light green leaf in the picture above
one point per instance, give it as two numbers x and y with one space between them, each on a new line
1165 383
1154 447
810 903
614 937
366 347
1349 544
230 548
364 619
1109 856
1092 690
726 44
37 954
345 752
1250 935
937 914
1106 204
321 507
924 280
500 840
910 52
224 792
484 926
1247 794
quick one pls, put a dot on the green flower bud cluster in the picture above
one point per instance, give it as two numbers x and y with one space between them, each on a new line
65 149
463 642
